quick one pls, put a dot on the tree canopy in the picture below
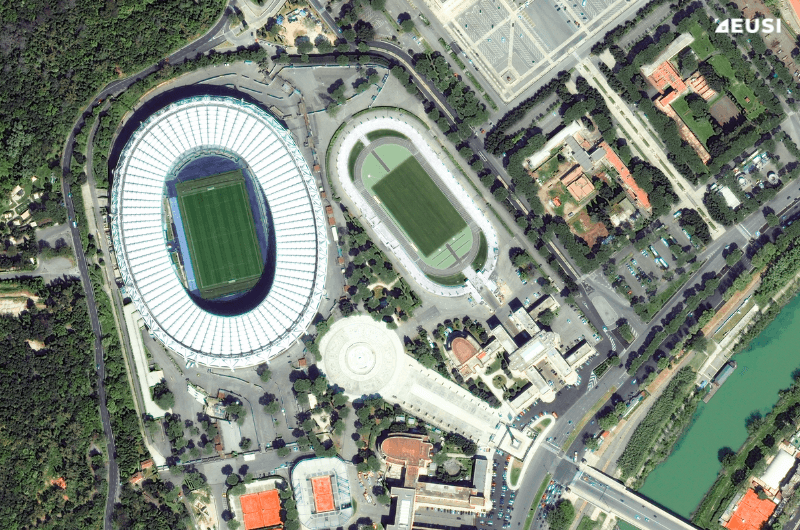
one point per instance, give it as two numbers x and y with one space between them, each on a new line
57 56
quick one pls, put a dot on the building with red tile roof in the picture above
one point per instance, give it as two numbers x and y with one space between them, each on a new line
577 185
665 76
463 350
637 194
411 452
699 85
261 510
751 512
580 188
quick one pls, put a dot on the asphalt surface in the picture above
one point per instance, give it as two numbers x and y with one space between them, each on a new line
201 45
625 505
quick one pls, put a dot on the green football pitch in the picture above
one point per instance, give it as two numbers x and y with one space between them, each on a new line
221 233
418 206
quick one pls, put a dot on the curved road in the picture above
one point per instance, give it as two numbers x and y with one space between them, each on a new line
201 45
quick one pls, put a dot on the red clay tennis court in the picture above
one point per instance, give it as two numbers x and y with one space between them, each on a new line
261 510
323 495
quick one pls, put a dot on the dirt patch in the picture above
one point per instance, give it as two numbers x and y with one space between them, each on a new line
205 512
452 467
35 345
13 305
583 227
296 24
724 110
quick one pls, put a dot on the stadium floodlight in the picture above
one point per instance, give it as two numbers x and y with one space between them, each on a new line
209 124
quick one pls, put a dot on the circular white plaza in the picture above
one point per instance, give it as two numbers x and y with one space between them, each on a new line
361 355
140 241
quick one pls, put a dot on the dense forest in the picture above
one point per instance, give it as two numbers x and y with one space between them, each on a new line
53 469
57 55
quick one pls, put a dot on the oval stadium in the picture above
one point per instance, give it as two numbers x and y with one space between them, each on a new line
218 231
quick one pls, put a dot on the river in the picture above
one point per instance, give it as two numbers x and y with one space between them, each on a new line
765 367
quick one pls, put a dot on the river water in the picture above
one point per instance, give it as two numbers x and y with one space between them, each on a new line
680 482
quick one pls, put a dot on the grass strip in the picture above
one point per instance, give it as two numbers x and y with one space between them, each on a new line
579 425
483 253
536 500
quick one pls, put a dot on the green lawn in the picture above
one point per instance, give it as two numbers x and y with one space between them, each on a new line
453 279
702 44
515 473
371 170
723 67
351 160
741 92
384 133
392 155
701 128
220 233
483 252
747 99
587 524
418 206
626 526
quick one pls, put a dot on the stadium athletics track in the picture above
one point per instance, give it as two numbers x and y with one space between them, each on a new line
220 232
418 205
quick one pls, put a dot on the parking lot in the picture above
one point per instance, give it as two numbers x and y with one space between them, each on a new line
502 499
516 39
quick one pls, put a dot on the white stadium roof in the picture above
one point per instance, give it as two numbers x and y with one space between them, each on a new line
297 218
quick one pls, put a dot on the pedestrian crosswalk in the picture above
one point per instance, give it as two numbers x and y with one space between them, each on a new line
592 381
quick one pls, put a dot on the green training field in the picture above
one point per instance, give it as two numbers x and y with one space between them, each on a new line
221 233
701 128
417 204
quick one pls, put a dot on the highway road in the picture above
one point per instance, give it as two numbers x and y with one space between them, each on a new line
201 45
624 503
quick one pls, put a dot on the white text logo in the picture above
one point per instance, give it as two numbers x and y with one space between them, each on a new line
740 25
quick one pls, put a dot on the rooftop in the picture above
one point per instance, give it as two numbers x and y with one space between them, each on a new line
625 175
751 513
777 470
407 450
261 509
580 188
665 76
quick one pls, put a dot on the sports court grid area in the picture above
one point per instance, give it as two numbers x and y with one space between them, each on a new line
220 233
411 197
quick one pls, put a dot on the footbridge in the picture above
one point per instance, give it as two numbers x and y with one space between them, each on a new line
611 496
